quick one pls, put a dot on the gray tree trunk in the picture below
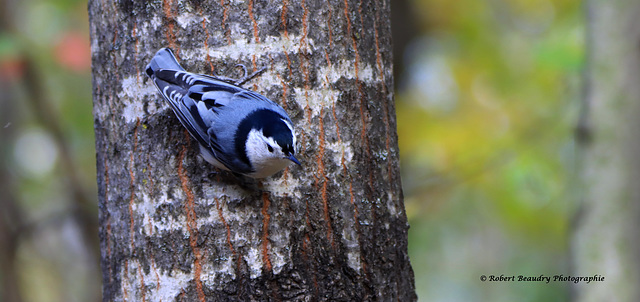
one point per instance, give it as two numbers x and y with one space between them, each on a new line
606 228
174 228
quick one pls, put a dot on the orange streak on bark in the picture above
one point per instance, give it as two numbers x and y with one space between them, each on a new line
363 120
206 42
286 54
225 15
285 84
192 224
356 68
304 69
265 230
256 36
284 92
255 68
142 287
226 226
283 17
171 36
155 270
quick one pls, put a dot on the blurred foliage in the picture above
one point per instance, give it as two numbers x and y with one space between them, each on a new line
48 156
486 109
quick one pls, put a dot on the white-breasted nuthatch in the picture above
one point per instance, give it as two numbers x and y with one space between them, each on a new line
238 130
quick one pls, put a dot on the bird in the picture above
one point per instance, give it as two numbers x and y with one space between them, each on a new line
238 130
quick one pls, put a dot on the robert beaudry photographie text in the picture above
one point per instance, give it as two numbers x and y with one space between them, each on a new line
541 278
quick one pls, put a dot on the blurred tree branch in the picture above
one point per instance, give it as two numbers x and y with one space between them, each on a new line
605 227
11 216
84 207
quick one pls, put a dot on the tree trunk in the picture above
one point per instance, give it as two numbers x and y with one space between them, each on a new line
172 227
606 228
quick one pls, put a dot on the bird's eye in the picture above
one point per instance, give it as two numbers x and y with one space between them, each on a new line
270 148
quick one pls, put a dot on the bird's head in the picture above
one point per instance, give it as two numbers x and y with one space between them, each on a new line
270 144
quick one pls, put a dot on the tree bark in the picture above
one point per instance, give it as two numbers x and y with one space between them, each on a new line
605 238
172 227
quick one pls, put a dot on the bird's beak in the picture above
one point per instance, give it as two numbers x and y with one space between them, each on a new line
294 159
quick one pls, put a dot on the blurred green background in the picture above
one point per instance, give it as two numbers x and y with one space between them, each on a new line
486 105
487 98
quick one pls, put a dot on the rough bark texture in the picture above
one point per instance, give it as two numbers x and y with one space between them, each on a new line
174 228
606 228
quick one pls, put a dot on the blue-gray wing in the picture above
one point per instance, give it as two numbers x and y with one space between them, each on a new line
200 102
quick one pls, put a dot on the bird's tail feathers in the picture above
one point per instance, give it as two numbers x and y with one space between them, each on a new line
164 59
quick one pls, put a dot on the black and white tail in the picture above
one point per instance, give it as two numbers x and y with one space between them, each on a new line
164 59
174 84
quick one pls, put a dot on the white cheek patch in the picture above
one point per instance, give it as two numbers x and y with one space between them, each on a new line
264 163
255 146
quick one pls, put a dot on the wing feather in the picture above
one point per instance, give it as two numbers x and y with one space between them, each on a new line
197 101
